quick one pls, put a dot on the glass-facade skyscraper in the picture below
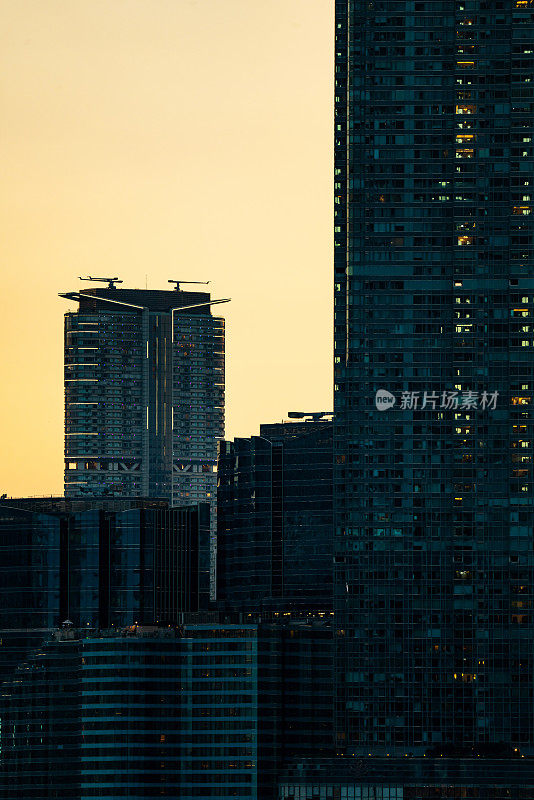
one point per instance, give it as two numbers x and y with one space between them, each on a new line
97 563
434 378
274 513
195 711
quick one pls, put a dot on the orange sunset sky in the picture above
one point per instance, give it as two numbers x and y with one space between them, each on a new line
157 139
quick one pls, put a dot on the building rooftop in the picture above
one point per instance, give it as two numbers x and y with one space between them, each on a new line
136 299
72 505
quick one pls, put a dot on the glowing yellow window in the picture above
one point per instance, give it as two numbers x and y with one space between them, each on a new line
464 241
466 108
466 226
522 210
465 152
465 64
463 138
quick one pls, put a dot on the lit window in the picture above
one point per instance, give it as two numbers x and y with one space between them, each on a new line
466 109
465 226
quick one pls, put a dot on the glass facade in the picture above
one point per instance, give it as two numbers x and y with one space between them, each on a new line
98 564
199 711
132 699
408 779
40 734
262 694
29 582
434 298
275 519
306 658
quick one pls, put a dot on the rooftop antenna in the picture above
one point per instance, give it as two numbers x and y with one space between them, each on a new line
315 416
177 283
110 281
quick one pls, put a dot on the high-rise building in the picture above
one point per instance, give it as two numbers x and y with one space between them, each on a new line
434 378
98 563
200 711
274 536
144 395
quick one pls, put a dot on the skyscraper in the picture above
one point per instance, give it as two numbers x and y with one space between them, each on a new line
434 377
203 710
144 395
274 511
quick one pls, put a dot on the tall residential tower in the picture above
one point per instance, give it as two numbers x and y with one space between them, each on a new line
434 377
144 395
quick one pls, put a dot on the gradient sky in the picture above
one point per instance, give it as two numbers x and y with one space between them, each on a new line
157 139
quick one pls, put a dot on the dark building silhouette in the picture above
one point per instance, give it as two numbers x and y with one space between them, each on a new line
41 735
207 710
434 383
275 518
97 563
